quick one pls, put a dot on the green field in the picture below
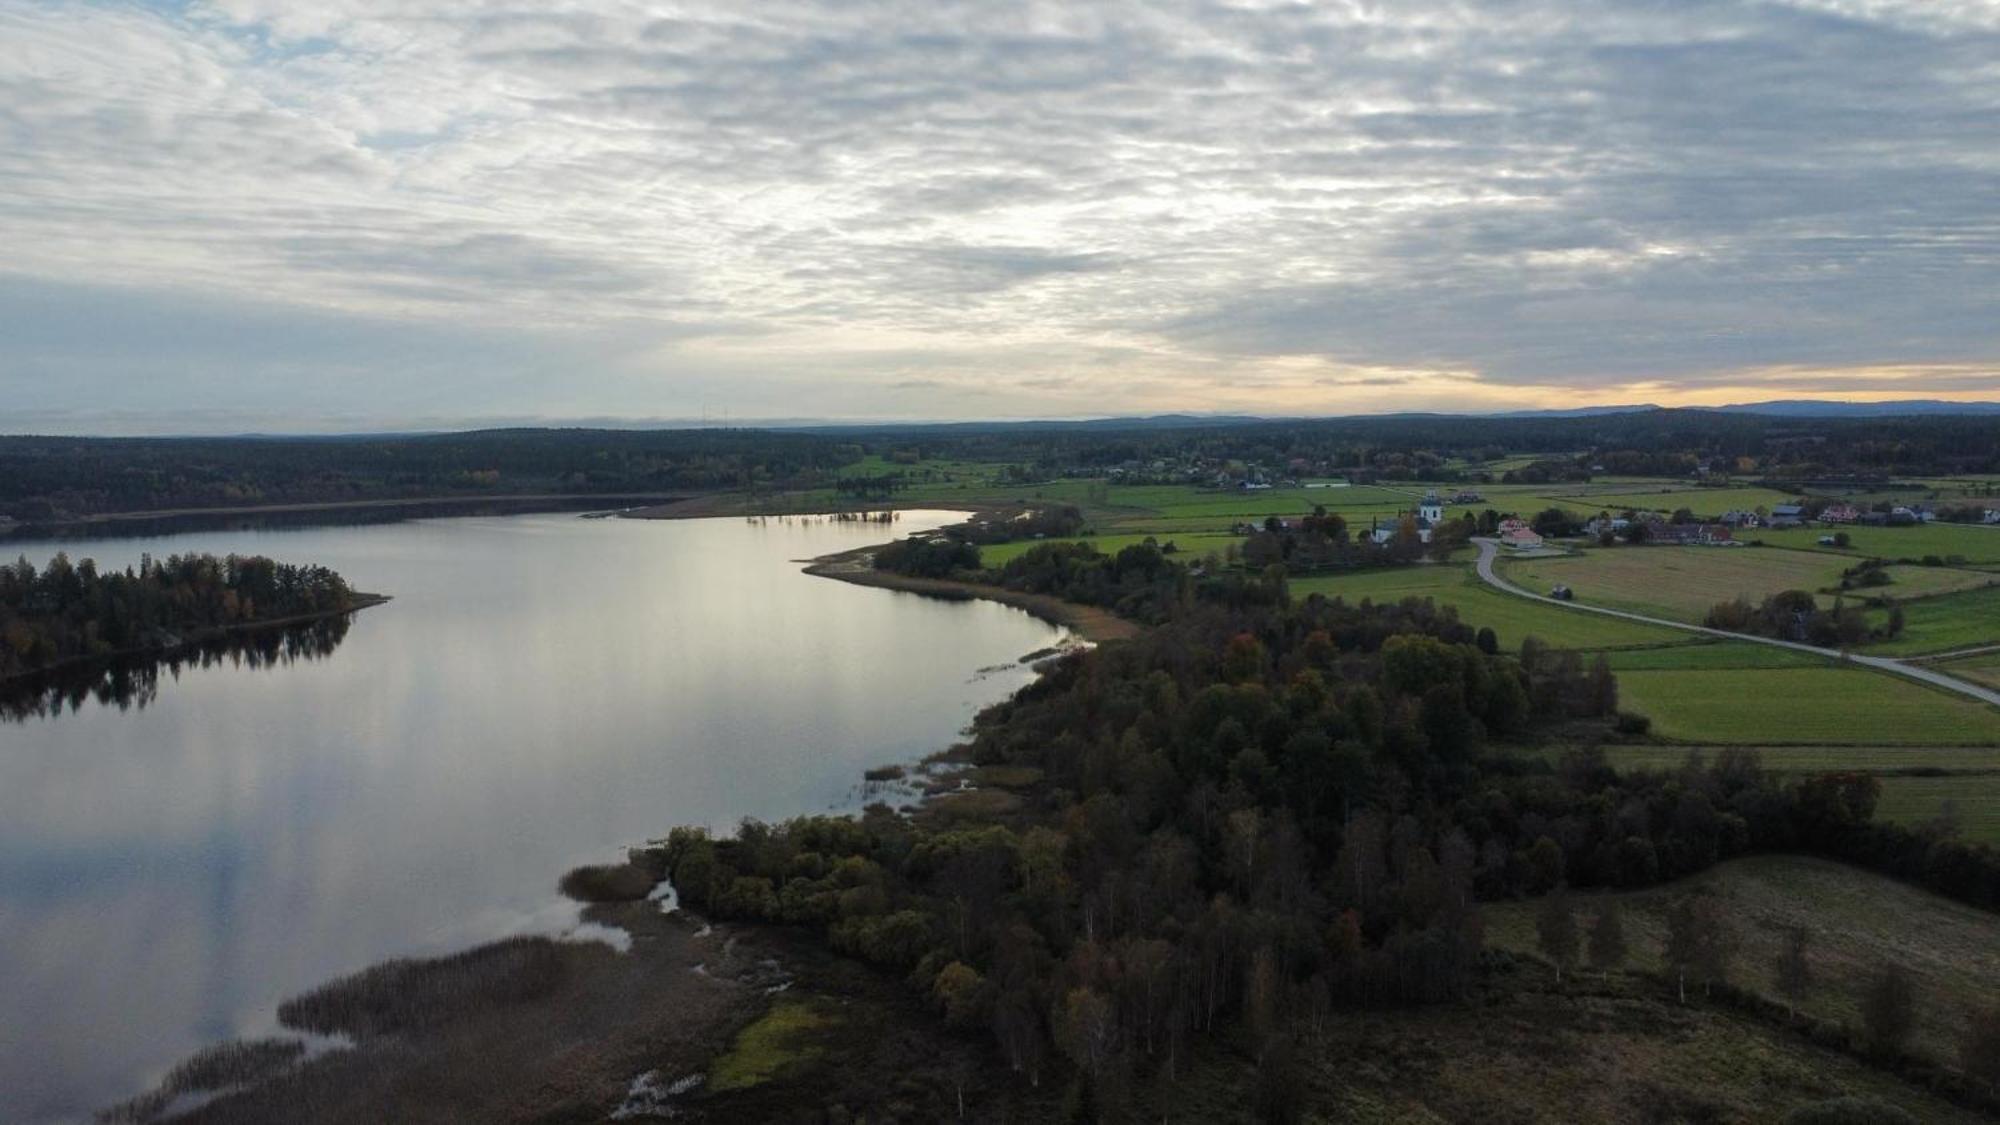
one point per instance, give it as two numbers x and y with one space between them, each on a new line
1680 583
1713 656
1947 624
1825 706
1513 618
1976 544
1857 919
1984 669
1973 800
1930 581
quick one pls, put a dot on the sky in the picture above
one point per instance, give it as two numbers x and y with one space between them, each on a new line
268 215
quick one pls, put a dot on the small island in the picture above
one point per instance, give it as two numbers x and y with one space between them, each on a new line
69 614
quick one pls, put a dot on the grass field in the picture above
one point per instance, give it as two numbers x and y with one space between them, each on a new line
1857 920
1930 581
1975 544
1973 800
1822 706
1681 583
1979 669
1712 656
1513 618
1946 624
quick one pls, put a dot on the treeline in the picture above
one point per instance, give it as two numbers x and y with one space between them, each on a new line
135 681
1796 615
1457 448
1321 541
47 478
71 611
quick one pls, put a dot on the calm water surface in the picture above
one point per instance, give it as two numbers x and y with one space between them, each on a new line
542 691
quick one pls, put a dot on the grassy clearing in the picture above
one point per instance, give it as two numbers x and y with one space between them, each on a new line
1822 706
1681 583
1613 1053
778 1043
1857 920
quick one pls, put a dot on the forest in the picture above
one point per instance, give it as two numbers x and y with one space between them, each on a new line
48 478
1255 816
45 479
68 612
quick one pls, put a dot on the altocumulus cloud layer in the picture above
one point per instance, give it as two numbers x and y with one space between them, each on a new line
261 213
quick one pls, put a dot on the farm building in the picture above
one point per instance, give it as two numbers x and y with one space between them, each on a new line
1839 513
1788 515
1741 519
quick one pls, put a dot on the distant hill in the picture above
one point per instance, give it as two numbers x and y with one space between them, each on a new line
1818 408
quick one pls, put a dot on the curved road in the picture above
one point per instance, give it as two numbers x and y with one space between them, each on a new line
1489 549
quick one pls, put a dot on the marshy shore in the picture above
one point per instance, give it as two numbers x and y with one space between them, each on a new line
1092 623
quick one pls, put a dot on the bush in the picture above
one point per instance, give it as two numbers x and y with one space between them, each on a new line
1631 722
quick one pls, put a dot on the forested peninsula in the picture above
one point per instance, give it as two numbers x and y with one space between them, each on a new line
71 612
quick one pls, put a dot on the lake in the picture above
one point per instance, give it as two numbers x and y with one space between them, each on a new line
541 692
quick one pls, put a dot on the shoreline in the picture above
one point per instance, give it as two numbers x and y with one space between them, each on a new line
1092 623
360 602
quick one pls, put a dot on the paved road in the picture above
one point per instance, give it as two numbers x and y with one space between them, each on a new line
1489 549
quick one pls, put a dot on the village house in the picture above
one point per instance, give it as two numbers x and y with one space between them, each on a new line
1517 534
1740 519
1992 516
1839 513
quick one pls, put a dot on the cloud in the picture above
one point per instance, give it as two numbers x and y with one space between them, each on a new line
884 209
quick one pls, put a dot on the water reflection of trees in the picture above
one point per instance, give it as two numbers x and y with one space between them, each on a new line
130 682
